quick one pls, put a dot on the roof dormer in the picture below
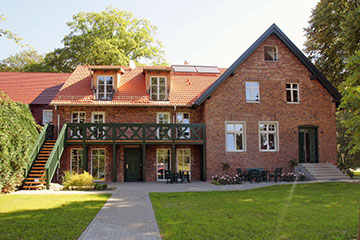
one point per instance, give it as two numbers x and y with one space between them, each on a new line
158 82
105 81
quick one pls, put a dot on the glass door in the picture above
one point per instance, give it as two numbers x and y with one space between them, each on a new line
98 164
163 163
308 145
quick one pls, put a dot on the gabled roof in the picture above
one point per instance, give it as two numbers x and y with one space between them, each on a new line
185 88
273 29
32 88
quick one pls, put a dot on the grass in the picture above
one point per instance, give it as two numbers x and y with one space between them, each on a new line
47 216
303 211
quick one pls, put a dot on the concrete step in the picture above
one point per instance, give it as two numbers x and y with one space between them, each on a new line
322 171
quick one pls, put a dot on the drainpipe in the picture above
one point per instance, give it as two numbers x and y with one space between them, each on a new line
174 115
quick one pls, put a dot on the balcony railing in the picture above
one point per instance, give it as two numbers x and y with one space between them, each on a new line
133 132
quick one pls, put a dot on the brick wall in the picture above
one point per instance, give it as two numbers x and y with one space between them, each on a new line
228 103
37 111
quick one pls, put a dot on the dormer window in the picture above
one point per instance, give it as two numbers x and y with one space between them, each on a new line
271 53
158 88
104 87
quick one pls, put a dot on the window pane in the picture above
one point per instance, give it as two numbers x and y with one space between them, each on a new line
238 127
162 81
109 80
239 142
101 80
229 127
288 95
248 95
247 84
162 90
153 81
288 85
101 89
270 53
154 89
296 99
272 141
262 127
162 97
230 142
255 84
295 86
256 95
263 139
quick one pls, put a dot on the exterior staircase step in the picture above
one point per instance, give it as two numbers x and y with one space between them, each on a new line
36 175
36 183
34 179
321 171
33 187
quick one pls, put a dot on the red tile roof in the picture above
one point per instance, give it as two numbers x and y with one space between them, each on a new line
185 88
34 88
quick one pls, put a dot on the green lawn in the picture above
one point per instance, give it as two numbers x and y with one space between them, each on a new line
303 211
47 216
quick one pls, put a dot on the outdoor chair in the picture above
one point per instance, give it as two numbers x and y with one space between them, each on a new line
277 174
240 174
169 176
254 174
184 176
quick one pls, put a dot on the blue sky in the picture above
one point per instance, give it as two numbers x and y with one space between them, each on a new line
203 32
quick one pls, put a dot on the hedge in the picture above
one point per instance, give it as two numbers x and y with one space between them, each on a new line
18 134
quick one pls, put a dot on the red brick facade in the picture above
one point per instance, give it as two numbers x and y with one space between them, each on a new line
228 103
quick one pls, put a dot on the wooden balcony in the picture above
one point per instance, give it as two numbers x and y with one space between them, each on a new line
133 133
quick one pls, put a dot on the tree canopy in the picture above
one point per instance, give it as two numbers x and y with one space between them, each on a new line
351 104
109 37
28 60
333 35
8 34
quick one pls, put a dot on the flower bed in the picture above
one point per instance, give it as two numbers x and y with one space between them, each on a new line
226 179
291 177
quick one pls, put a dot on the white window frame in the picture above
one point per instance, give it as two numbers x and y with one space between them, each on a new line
158 122
71 156
92 152
98 132
177 159
43 117
251 91
292 90
78 117
78 120
158 88
105 87
187 131
277 145
157 163
234 132
277 53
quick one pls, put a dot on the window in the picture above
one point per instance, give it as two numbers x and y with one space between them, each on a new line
183 118
292 93
98 117
252 92
76 160
47 116
183 159
163 162
78 117
104 88
98 164
163 132
235 136
271 53
158 88
268 136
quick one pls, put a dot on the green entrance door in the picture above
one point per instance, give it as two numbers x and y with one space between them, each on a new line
133 166
308 144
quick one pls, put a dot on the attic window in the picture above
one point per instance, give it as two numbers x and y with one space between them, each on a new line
271 53
158 88
104 88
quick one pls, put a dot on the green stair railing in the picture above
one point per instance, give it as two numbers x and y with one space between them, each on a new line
45 134
54 158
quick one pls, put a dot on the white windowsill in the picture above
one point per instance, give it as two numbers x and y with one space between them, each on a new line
293 102
252 101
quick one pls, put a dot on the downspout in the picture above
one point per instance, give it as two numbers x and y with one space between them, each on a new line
174 115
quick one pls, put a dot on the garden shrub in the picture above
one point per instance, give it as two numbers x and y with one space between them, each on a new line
99 186
18 134
78 181
226 179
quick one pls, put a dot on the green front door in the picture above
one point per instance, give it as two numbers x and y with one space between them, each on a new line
133 168
308 144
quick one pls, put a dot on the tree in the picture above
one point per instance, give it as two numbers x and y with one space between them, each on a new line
333 35
28 60
351 104
111 37
8 34
18 134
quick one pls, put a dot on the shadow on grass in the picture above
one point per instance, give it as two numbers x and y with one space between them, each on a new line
65 222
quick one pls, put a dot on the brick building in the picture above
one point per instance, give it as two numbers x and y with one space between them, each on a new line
35 89
269 107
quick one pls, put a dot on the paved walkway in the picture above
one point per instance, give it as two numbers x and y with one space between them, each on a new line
128 214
